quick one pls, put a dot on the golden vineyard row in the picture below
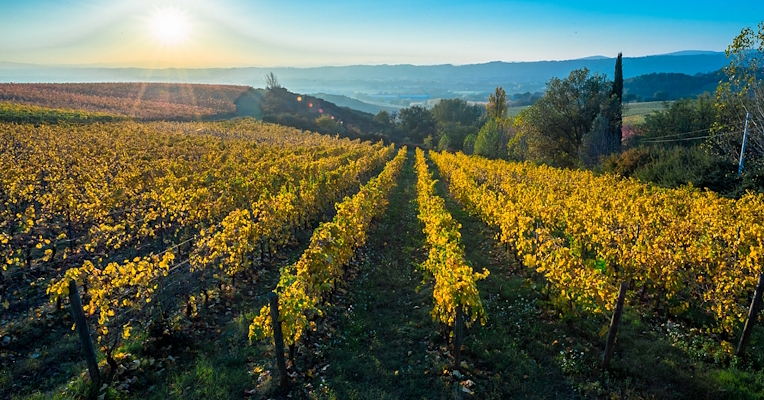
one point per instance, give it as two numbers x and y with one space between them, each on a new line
303 285
114 205
678 249
455 281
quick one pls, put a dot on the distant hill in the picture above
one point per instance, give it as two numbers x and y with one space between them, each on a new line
304 112
439 81
669 86
691 53
345 101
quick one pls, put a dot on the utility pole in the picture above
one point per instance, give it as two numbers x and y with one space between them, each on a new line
742 149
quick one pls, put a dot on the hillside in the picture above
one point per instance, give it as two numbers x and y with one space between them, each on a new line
670 86
52 103
147 101
303 112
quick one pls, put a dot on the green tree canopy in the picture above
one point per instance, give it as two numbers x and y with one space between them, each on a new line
497 104
696 116
383 117
469 144
456 134
491 141
418 123
457 111
444 144
555 126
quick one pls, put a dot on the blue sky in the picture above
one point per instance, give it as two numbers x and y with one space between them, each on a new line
226 33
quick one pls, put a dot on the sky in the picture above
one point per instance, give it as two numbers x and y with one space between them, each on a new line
301 33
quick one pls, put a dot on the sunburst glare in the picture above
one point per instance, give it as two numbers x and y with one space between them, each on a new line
170 26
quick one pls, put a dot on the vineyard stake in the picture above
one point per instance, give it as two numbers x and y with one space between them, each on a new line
753 313
278 338
458 336
84 332
610 345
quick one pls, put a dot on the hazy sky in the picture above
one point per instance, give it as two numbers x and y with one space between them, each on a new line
225 33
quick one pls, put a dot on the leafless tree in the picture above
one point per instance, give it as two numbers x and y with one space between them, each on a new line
271 82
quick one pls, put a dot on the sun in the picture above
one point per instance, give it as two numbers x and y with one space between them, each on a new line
170 26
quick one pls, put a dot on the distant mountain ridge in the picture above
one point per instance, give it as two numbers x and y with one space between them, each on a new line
435 80
693 53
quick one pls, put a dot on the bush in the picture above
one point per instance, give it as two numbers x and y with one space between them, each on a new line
428 142
680 165
626 163
327 124
444 143
677 166
293 120
469 144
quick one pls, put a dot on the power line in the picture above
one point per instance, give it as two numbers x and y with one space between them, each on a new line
686 139
685 133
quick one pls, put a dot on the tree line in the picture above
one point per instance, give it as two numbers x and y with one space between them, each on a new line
578 123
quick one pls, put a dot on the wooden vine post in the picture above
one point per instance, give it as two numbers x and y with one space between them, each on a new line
278 338
458 335
84 331
753 313
613 331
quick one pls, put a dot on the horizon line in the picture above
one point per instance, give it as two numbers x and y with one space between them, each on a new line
681 53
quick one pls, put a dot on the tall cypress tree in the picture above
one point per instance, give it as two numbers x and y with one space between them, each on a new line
618 78
617 115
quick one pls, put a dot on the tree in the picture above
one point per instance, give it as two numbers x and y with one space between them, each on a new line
418 123
457 111
742 93
456 119
497 104
271 82
695 116
555 126
383 117
604 137
517 143
618 78
491 141
616 117
427 143
456 133
661 96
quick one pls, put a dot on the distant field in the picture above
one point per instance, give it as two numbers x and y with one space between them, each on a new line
514 111
147 101
634 113
26 114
